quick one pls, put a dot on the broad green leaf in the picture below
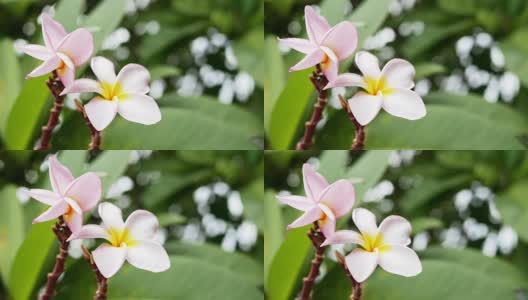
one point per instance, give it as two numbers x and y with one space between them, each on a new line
110 165
333 164
514 48
273 231
10 77
274 77
424 70
253 199
105 18
513 207
249 51
162 71
369 168
460 7
425 223
190 278
11 229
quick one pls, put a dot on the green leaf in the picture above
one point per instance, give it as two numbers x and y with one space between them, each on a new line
424 70
162 71
253 198
514 48
425 223
105 17
249 51
109 166
460 7
333 164
273 231
11 229
274 77
10 77
369 168
513 207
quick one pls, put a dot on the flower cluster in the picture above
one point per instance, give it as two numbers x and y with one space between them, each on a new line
132 240
385 245
389 88
124 93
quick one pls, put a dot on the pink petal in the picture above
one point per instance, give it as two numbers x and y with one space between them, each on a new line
368 64
327 224
298 202
83 86
53 212
67 76
86 190
396 231
361 263
301 45
109 259
74 221
134 79
339 197
347 80
66 60
343 237
308 217
44 196
404 104
139 108
101 112
142 225
150 256
52 31
90 232
46 67
104 70
365 221
36 51
316 25
365 107
314 183
111 216
330 65
78 45
399 73
73 205
60 176
309 60
342 39
400 260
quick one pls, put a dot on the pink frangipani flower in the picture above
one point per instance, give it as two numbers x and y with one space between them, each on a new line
323 202
70 197
62 51
124 93
326 45
385 246
389 89
132 241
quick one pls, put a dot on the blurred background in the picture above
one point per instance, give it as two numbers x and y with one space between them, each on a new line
459 48
196 50
209 205
468 210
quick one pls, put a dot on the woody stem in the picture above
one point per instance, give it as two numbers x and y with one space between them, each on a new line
359 139
56 87
356 286
95 135
102 282
317 238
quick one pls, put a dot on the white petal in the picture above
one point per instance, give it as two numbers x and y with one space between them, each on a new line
101 112
316 25
60 176
346 80
365 107
361 263
83 86
53 212
134 79
395 230
109 259
139 108
150 256
44 196
301 45
365 221
142 225
399 73
90 232
46 67
298 202
104 70
400 260
344 237
404 104
112 216
368 64
36 51
314 183
308 217
309 60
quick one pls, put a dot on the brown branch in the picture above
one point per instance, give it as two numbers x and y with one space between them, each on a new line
359 139
62 232
319 81
317 238
96 135
56 87
102 282
356 286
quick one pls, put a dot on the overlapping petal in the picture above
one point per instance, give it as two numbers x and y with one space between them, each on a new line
316 25
83 86
343 237
404 103
60 176
365 221
140 108
104 70
101 112
342 39
314 183
400 260
44 196
346 80
36 51
399 73
46 67
142 225
86 190
309 60
150 256
298 202
78 46
301 45
365 107
361 263
339 197
308 217
90 232
368 64
109 259
396 230
53 212
111 215
52 31
134 79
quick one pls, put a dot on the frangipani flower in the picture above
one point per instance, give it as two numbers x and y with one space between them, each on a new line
70 197
389 89
62 52
385 246
323 202
132 241
326 45
124 93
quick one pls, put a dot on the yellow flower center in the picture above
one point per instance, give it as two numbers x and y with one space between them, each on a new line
371 243
68 215
374 86
120 237
326 62
112 90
